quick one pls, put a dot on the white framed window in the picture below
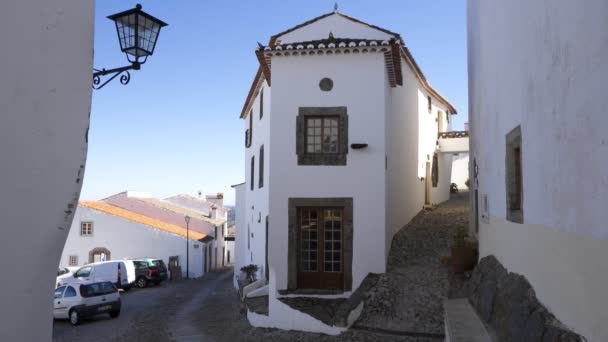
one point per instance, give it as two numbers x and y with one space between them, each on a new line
73 260
86 228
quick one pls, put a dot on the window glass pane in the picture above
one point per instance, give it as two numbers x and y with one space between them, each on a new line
70 292
59 292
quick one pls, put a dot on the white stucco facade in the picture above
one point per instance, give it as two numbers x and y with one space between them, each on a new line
385 180
45 101
240 236
126 239
460 170
541 66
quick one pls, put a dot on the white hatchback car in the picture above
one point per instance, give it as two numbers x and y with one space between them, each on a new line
78 301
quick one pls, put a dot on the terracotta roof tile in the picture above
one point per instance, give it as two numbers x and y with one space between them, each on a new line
145 220
179 209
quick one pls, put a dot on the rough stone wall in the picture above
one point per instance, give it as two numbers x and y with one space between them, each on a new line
507 303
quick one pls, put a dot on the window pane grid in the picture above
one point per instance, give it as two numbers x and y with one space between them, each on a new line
309 247
86 228
333 240
322 135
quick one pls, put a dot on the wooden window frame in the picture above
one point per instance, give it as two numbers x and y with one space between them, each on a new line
338 158
73 257
261 103
90 229
252 179
435 170
261 168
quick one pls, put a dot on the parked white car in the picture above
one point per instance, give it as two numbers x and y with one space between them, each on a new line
78 301
65 272
121 273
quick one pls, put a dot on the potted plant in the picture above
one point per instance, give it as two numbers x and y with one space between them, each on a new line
250 272
463 255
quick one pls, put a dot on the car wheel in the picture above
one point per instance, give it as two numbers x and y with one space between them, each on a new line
74 317
114 314
142 282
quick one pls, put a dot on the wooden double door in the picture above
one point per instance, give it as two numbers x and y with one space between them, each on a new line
320 248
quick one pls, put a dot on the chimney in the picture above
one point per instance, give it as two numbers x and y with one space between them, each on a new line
466 126
217 199
213 214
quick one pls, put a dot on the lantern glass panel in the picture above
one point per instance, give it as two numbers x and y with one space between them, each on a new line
126 31
148 32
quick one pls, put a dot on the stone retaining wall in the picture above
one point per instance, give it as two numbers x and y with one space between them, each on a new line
507 303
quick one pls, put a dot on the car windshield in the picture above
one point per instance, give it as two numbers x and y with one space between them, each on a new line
83 272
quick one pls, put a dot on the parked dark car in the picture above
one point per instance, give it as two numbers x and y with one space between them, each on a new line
149 270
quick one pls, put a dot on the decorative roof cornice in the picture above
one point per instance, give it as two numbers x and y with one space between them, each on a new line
392 57
335 46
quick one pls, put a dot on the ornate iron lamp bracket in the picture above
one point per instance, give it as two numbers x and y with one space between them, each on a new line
125 78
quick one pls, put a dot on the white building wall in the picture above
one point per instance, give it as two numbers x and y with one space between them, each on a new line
240 238
542 65
359 85
257 199
411 136
405 190
45 99
460 170
127 239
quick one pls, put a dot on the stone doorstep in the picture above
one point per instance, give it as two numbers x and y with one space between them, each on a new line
462 323
258 305
334 312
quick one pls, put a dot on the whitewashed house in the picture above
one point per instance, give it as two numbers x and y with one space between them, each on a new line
207 223
101 231
341 152
213 206
539 150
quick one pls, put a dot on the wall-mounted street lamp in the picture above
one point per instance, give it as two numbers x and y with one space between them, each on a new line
187 219
137 33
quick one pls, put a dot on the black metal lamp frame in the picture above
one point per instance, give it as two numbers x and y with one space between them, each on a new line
125 76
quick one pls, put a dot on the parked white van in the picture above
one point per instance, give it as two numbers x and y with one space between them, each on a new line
121 273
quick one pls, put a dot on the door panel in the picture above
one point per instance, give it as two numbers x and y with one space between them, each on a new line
320 248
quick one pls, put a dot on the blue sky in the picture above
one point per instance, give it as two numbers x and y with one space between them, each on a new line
175 129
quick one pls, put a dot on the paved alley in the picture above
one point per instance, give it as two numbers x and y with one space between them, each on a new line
408 298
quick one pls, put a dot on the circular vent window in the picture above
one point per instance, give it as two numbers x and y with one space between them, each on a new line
326 84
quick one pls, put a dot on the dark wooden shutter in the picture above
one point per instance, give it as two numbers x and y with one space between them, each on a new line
261 163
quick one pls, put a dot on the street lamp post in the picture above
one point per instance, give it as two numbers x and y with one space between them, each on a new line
187 218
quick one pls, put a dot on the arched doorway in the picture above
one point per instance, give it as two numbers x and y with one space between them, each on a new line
99 254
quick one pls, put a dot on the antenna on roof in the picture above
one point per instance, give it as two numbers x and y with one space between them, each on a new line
336 7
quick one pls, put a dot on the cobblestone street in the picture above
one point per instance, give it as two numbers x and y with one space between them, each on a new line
409 296
407 299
